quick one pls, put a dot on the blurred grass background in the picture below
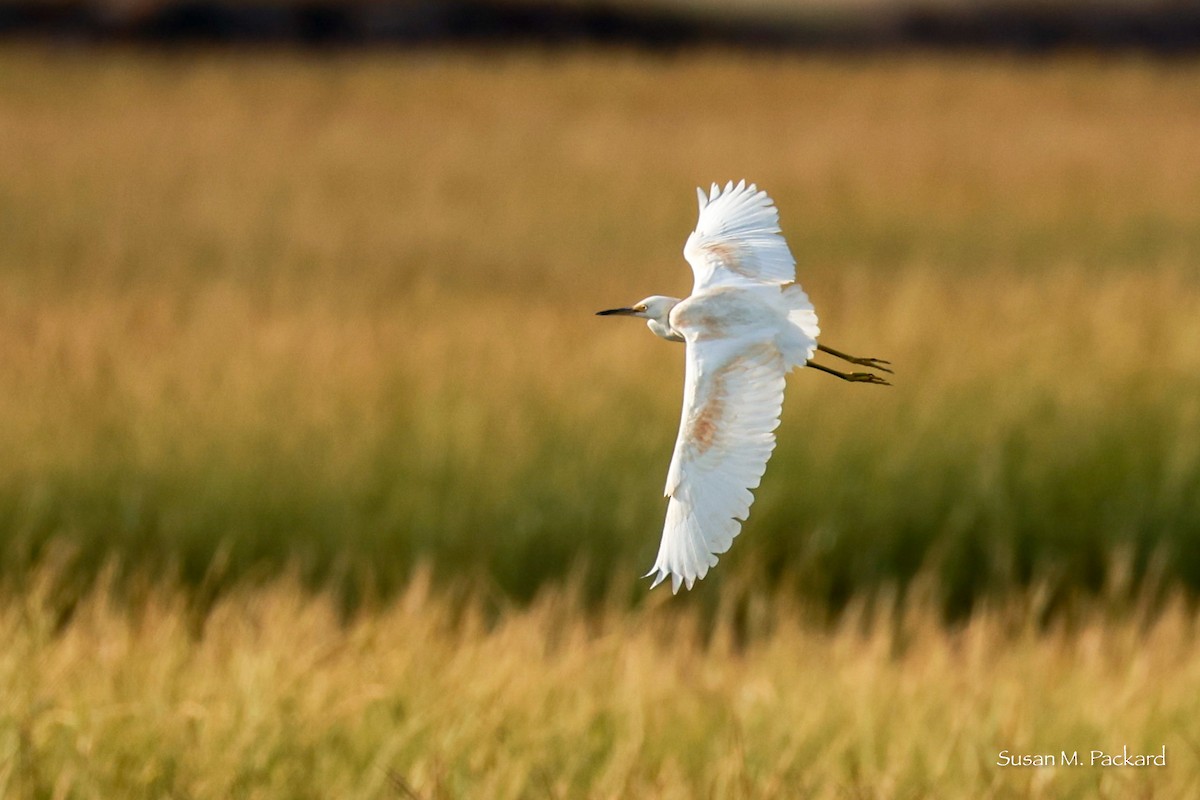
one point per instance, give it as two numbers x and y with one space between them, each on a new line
261 310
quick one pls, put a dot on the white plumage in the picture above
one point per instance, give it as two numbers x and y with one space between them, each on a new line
737 240
746 325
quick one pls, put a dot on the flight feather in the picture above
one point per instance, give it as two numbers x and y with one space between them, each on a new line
737 240
733 393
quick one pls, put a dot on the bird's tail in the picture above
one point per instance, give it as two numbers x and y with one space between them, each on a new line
801 342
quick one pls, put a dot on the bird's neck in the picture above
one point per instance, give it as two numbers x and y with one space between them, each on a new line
660 323
663 329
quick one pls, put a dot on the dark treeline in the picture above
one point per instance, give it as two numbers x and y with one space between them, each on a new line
1164 28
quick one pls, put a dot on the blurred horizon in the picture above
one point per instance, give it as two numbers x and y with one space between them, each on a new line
1157 27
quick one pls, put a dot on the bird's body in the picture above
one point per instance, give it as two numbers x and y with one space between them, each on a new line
746 325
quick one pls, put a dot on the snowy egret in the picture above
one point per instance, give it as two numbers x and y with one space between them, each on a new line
746 325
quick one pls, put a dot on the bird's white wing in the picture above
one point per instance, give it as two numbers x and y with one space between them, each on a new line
733 392
737 240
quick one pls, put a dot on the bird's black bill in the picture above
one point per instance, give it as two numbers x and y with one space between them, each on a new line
612 311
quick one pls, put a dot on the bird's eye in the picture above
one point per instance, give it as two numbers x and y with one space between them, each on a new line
639 308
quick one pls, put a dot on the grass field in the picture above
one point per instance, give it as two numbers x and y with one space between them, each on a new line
276 696
278 335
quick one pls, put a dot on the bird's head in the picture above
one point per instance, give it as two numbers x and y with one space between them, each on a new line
656 307
656 311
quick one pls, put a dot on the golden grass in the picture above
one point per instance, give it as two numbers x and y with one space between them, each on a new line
340 311
276 697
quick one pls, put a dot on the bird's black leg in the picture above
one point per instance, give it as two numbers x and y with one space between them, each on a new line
853 377
874 363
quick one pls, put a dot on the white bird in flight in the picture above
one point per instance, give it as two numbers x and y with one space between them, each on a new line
746 325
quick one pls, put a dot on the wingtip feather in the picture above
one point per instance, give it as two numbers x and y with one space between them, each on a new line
658 573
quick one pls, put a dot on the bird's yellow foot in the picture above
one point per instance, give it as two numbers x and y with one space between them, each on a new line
867 377
873 363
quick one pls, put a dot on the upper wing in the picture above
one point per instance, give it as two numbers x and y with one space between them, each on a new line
733 392
737 240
